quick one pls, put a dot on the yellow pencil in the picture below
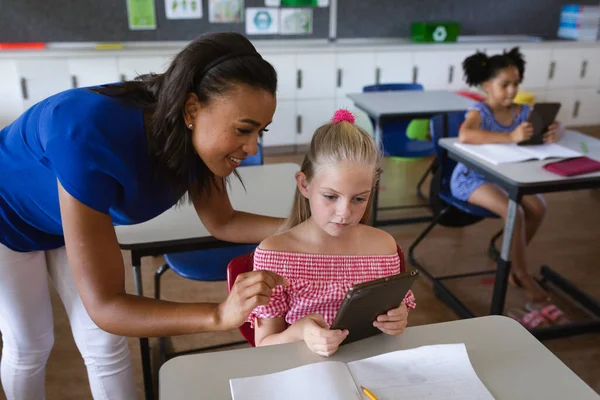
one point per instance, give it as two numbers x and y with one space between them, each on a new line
370 395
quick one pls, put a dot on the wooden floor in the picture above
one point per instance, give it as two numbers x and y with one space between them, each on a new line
567 241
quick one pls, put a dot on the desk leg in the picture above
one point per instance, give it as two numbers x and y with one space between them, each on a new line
136 262
503 266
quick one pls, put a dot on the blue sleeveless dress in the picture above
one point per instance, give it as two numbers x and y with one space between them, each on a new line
464 181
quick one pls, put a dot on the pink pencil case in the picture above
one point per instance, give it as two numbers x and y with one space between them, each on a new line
573 166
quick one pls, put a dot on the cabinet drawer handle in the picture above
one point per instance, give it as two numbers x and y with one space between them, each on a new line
24 91
299 79
450 74
299 124
415 76
576 109
584 65
377 75
74 82
551 71
339 77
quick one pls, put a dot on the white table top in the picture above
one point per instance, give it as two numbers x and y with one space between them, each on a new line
510 362
531 172
269 191
410 102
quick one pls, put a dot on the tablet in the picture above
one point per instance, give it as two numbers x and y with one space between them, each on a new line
365 301
541 117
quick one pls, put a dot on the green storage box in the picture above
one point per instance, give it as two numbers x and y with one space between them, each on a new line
435 32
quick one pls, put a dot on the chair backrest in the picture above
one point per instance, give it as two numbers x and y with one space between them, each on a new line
245 263
388 87
437 132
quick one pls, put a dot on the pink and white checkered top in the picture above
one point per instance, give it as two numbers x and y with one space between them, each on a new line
319 282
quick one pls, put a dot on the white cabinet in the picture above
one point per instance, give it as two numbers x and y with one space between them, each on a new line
130 67
311 115
393 67
354 71
283 130
42 78
589 73
11 102
285 65
586 108
315 76
565 67
537 68
92 71
440 70
566 97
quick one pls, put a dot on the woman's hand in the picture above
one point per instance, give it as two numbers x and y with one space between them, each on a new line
522 132
554 133
317 335
394 321
250 290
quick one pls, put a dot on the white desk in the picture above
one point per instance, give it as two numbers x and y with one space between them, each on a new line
407 104
269 190
520 179
510 362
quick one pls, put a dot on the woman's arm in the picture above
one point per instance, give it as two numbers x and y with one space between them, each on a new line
225 223
97 266
471 132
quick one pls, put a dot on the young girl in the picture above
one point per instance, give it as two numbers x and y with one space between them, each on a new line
325 247
499 120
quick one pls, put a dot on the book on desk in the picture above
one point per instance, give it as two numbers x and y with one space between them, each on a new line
428 372
512 153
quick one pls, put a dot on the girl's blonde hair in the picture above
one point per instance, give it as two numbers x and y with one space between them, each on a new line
332 144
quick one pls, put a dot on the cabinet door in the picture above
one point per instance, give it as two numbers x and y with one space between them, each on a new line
589 73
354 71
586 109
537 68
311 115
130 67
42 78
394 67
440 70
316 76
566 97
283 130
92 71
285 65
11 100
565 68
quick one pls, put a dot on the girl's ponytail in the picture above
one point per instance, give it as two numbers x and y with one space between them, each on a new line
476 68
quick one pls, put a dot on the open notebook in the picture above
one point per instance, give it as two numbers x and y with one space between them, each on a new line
512 153
428 372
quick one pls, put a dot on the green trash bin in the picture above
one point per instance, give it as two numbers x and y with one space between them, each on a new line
435 32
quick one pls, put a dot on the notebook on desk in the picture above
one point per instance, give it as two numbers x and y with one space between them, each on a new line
512 153
428 372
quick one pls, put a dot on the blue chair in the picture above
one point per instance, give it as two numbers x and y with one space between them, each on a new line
203 265
448 210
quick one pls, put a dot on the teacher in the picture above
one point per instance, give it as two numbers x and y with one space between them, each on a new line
84 160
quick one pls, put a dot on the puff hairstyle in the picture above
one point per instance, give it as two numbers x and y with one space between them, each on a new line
480 68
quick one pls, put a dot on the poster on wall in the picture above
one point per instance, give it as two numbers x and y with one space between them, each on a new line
296 21
262 21
222 11
183 9
141 14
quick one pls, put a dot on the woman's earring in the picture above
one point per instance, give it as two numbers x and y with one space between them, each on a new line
190 126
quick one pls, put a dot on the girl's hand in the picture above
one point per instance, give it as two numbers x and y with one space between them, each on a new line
251 289
394 321
554 133
522 132
318 337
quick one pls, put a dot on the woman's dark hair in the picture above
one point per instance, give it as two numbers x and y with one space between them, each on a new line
480 68
211 65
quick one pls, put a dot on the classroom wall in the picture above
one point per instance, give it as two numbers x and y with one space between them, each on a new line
392 18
